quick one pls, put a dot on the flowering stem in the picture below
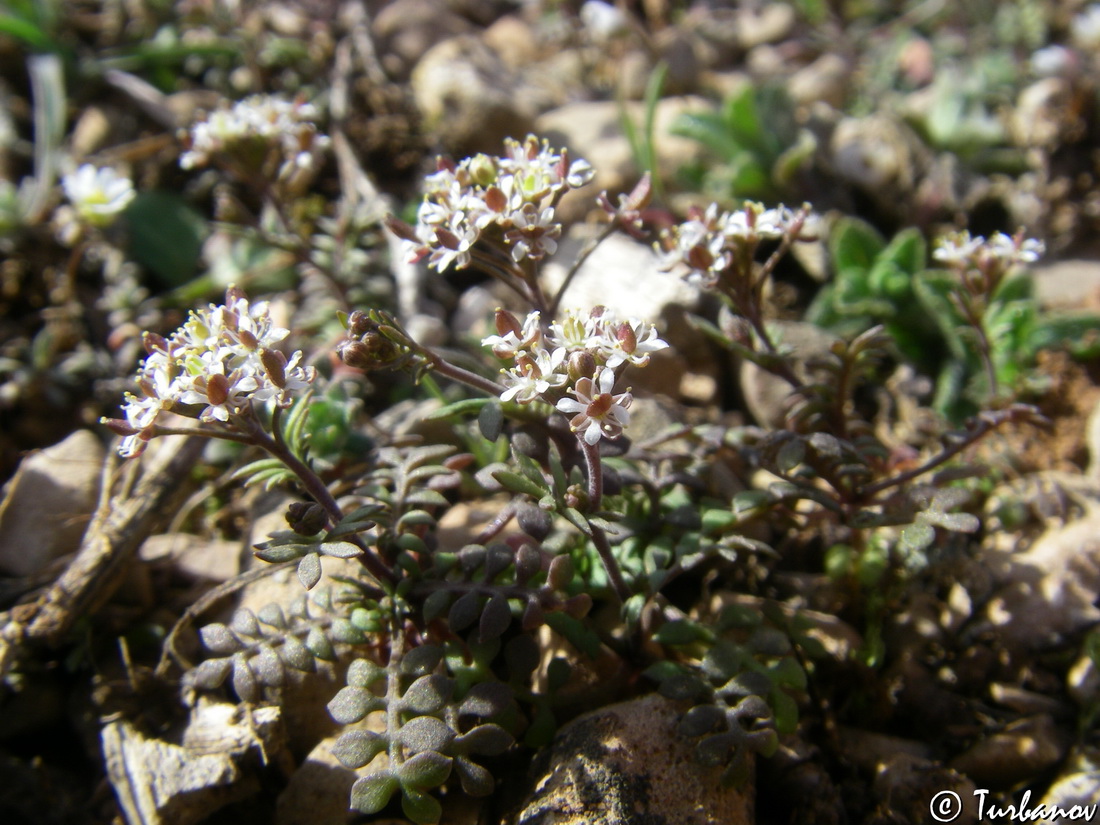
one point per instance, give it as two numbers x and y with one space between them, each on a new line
449 370
313 484
595 473
599 537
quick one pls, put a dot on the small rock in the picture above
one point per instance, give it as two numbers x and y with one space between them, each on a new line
1078 784
757 25
824 80
48 503
626 763
196 557
1018 753
1038 118
1083 682
876 153
513 39
622 273
593 130
404 31
1072 284
469 97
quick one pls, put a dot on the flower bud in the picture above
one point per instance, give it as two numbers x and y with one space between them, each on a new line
582 364
483 170
507 322
275 365
217 389
154 343
306 518
624 332
359 323
399 228
118 426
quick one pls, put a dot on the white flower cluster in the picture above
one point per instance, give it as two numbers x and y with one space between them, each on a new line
251 127
1000 251
580 356
516 193
222 359
708 243
98 195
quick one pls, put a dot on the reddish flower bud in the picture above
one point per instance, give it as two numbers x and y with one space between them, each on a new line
399 228
446 238
118 426
626 337
154 343
582 364
217 389
507 322
496 199
359 323
275 365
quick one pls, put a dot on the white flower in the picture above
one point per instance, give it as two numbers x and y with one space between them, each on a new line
958 248
221 360
98 195
628 342
533 375
596 411
535 233
263 121
511 337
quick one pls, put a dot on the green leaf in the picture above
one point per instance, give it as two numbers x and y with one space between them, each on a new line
363 673
357 748
370 794
680 632
351 704
340 549
458 409
854 245
785 710
490 420
916 536
309 570
166 236
428 769
425 733
907 251
575 632
422 808
520 483
577 519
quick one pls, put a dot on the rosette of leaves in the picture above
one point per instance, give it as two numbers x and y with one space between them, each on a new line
874 284
431 730
736 673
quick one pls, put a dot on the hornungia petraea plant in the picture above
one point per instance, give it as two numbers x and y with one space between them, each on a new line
446 645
